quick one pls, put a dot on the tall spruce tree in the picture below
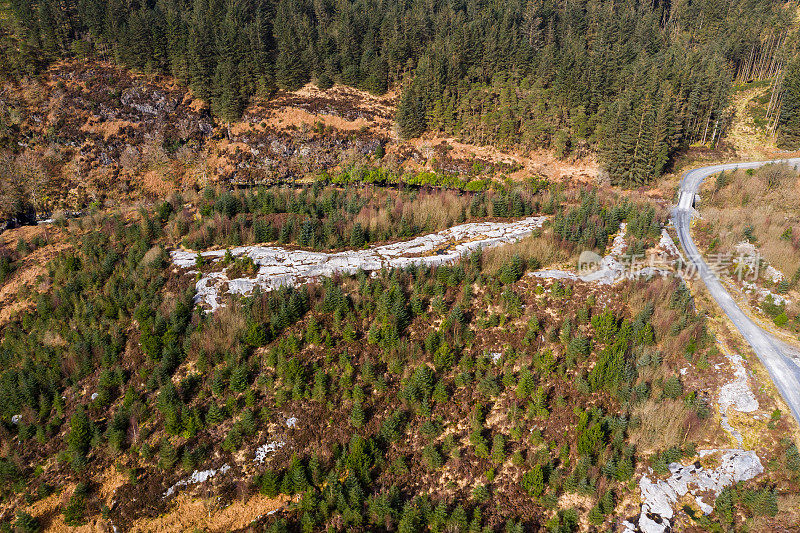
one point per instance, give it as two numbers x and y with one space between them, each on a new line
789 121
410 115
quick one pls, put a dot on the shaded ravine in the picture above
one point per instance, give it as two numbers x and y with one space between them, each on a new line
777 357
278 266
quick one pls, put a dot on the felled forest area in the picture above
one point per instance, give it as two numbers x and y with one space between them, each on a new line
90 135
93 133
636 81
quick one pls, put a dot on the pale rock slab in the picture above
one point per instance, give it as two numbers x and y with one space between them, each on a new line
279 266
198 476
607 270
659 496
264 450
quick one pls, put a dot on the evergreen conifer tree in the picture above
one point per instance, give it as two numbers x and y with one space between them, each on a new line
789 121
410 115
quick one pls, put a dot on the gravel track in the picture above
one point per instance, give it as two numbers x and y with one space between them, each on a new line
778 357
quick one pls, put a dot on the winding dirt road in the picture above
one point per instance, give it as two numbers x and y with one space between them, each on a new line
781 360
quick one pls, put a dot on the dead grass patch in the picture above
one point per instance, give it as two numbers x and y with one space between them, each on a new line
291 116
342 108
441 208
744 134
48 512
222 334
542 248
663 425
28 271
109 128
156 184
767 201
536 163
190 514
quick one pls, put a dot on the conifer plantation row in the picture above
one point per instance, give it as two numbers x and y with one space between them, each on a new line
636 80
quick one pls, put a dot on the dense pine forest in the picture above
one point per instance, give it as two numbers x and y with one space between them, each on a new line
637 81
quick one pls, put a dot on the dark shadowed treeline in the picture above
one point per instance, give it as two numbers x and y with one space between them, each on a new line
638 80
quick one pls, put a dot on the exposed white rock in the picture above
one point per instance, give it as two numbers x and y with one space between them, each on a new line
619 245
291 422
749 259
206 288
763 293
659 496
198 476
726 425
746 249
606 270
266 449
16 419
707 509
737 393
668 245
282 266
646 525
554 274
775 275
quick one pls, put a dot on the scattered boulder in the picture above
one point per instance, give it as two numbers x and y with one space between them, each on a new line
659 496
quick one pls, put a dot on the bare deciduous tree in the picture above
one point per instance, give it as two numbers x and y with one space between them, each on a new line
11 193
34 179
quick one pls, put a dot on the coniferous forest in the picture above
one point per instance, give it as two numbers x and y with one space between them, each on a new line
635 80
321 265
